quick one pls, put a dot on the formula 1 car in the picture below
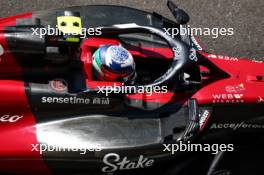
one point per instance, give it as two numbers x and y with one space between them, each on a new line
56 118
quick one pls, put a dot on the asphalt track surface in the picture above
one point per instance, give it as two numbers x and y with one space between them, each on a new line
246 17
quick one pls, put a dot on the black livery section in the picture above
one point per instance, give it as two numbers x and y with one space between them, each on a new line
112 124
120 134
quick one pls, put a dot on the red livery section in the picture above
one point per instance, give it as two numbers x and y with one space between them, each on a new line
17 123
18 132
59 92
245 84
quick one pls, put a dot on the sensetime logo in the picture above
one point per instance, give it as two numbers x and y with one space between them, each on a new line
114 162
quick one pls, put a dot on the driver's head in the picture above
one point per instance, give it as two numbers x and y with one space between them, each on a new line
114 63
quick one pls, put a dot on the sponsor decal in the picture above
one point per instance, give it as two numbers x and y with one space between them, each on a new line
204 117
197 45
59 85
260 99
236 126
257 61
193 56
100 101
235 88
228 98
10 118
114 163
119 55
226 58
176 50
1 50
76 100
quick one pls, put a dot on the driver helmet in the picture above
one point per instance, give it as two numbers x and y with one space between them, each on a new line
114 63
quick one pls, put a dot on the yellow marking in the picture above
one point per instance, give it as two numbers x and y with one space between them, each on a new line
73 40
70 25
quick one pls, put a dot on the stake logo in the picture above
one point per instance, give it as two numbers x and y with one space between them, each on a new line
10 118
114 162
228 98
